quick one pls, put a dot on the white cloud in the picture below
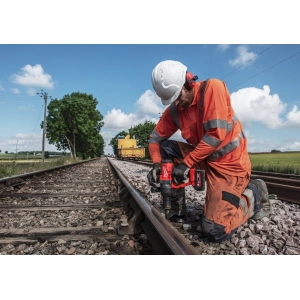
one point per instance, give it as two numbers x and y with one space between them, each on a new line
295 146
223 47
1 87
15 91
149 103
28 135
15 142
116 119
147 108
33 76
256 105
293 118
244 57
25 142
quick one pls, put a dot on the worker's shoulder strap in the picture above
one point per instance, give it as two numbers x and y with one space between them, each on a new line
202 94
174 115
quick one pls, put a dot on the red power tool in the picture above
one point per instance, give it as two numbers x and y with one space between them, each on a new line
196 179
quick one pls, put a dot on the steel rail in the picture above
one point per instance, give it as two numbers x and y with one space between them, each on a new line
284 192
279 180
164 237
280 175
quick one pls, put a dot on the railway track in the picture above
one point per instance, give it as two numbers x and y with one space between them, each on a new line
90 205
66 210
105 206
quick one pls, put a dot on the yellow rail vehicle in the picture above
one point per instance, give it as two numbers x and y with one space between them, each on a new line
127 149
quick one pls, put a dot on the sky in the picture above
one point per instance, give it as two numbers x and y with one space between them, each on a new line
254 53
263 80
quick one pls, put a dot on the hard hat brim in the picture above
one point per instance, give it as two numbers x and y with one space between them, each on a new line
166 102
172 99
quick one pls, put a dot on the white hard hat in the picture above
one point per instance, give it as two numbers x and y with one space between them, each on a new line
168 78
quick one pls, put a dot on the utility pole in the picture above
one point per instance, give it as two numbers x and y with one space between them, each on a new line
45 96
16 150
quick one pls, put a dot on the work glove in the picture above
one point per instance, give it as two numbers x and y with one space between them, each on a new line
153 175
181 173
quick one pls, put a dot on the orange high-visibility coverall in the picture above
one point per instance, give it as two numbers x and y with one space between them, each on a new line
217 144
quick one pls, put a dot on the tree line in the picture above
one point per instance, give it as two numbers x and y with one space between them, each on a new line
73 124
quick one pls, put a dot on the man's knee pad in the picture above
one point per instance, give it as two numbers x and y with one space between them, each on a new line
215 232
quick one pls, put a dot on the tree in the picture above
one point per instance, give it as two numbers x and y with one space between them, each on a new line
114 141
73 123
142 133
275 151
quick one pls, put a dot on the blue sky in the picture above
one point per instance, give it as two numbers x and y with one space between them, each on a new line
104 52
263 80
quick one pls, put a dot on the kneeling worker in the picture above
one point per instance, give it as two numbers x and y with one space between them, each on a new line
215 143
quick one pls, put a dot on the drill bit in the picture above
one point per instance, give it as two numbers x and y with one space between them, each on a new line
167 211
167 206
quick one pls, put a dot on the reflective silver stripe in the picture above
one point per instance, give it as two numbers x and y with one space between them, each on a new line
226 149
174 114
229 128
153 141
216 123
211 141
235 119
156 138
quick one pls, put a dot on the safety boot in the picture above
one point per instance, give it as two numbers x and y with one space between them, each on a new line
178 205
263 195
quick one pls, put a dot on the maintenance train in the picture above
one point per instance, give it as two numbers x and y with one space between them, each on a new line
127 149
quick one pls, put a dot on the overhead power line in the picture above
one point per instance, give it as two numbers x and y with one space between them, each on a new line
247 61
265 70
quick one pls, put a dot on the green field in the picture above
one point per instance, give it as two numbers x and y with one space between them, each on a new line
10 168
281 162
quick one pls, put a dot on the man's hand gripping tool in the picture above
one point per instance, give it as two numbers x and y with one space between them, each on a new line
196 179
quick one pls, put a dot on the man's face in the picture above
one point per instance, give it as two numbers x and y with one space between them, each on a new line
185 98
